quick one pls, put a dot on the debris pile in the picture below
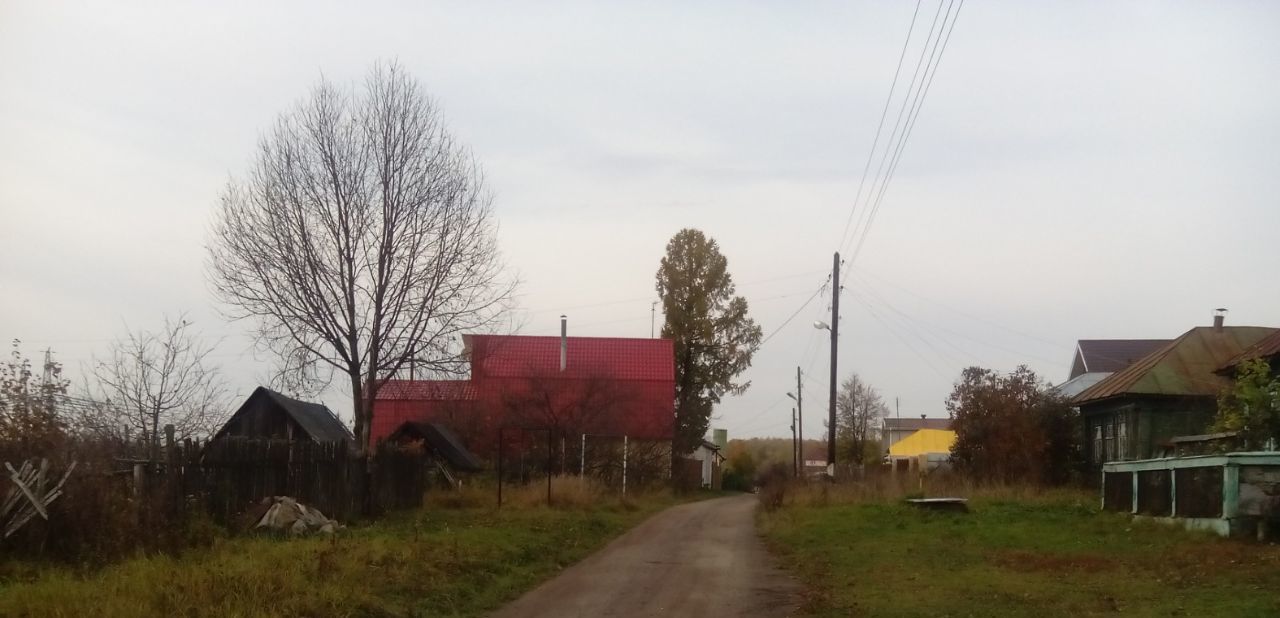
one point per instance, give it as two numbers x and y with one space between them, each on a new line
286 514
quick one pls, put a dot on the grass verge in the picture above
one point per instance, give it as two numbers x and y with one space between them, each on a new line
461 559
1015 554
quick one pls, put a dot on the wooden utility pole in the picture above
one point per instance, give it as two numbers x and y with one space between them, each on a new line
795 471
835 339
800 420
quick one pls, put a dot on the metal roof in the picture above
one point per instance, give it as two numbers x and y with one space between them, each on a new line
909 423
1110 355
428 390
1267 348
1184 366
619 358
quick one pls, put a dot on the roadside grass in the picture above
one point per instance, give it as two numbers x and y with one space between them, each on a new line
1019 552
458 556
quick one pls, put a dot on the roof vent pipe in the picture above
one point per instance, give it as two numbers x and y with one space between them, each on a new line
564 341
1219 315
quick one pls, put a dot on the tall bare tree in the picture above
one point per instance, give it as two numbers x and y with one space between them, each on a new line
859 408
362 240
155 378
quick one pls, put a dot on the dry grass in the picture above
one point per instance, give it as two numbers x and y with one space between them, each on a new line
458 556
1021 551
567 493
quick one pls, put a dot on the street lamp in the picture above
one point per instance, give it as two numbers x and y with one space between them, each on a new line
820 325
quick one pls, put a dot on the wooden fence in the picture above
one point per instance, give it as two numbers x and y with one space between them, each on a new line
226 477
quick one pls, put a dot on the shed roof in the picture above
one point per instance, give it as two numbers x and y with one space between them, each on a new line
317 420
1185 366
924 441
1268 347
620 358
1110 355
443 441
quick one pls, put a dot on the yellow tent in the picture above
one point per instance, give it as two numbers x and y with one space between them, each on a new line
924 441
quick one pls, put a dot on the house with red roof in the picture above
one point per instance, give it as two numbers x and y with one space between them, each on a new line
598 386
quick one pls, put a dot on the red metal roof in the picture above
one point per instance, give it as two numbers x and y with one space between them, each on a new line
509 356
428 390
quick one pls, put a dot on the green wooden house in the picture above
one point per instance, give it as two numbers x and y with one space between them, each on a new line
1170 392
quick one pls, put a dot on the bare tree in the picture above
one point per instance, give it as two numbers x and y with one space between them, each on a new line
859 408
362 241
152 379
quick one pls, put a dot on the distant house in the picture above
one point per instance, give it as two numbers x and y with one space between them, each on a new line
711 459
1095 359
598 386
894 430
922 451
268 414
1170 392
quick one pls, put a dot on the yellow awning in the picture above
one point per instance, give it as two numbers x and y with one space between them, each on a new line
924 441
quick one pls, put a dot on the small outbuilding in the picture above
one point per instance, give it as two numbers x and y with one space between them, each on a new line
438 441
710 461
271 415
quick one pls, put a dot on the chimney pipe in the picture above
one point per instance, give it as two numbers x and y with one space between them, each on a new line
564 341
1219 315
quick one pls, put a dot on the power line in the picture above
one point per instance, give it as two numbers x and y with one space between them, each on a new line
912 116
880 127
890 146
793 315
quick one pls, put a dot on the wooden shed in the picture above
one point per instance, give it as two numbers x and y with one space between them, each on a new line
271 415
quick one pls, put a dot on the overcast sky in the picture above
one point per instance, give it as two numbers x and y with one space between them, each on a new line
1080 170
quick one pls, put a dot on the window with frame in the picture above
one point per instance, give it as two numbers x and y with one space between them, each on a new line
1097 443
1122 437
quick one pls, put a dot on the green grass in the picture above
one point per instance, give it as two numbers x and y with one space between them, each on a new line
1052 555
461 561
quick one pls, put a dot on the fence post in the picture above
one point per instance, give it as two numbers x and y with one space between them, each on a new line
582 467
624 466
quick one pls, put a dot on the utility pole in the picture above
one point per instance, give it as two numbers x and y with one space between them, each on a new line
835 339
794 470
800 420
653 318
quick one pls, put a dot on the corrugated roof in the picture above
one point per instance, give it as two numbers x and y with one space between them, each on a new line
1110 355
1184 366
924 441
1267 348
501 356
428 390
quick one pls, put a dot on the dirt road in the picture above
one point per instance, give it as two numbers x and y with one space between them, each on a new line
697 559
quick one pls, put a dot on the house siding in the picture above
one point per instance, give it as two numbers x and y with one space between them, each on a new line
1134 427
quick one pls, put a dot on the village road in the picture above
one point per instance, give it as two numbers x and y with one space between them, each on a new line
696 559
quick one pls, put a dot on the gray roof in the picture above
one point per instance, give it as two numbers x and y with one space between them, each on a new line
1111 355
914 423
315 418
318 421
